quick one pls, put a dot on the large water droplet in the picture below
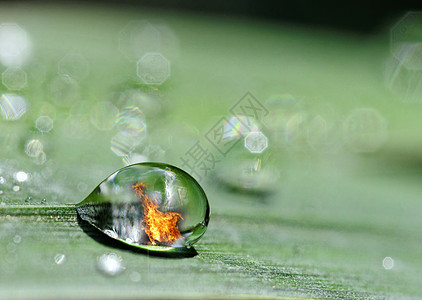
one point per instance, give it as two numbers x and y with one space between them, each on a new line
153 206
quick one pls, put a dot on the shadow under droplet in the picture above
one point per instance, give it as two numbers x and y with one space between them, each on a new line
108 241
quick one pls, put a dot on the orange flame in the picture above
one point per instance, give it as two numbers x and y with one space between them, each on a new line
159 226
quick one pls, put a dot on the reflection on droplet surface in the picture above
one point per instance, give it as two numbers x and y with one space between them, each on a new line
111 233
141 205
110 264
12 106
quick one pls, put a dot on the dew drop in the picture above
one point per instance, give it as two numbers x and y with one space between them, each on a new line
16 188
142 205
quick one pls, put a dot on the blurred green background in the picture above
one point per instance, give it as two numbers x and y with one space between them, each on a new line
330 209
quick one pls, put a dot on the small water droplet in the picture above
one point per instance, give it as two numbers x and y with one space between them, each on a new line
142 205
110 264
16 188
44 201
2 180
28 199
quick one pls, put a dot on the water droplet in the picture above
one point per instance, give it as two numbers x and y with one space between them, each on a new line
2 180
59 258
110 264
142 205
16 188
28 199
44 201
